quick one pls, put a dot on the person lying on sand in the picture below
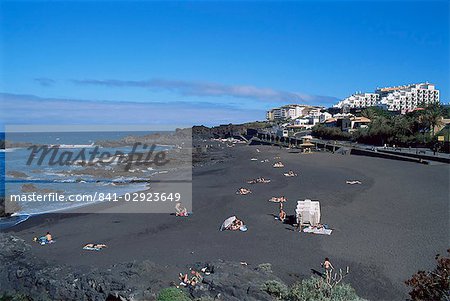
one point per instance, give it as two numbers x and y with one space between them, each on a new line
46 239
243 191
290 174
180 210
318 226
258 180
94 246
262 180
236 225
278 165
280 199
353 182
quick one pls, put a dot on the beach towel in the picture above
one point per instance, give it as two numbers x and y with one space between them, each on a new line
46 242
91 248
323 230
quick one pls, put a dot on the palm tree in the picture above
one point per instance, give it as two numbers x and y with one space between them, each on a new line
369 113
433 116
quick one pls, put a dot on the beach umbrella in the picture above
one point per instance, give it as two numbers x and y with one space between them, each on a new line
227 223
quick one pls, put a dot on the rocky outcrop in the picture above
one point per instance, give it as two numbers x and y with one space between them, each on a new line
21 272
234 282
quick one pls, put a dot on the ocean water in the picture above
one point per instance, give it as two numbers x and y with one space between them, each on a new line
60 178
2 174
2 169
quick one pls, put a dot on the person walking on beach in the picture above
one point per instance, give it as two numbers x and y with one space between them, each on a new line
327 267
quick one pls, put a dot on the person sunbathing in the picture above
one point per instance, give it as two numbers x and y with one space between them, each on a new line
243 191
278 165
236 225
95 246
290 174
353 182
46 239
275 199
184 279
181 211
262 180
196 276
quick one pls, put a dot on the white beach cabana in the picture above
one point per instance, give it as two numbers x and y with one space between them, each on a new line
308 212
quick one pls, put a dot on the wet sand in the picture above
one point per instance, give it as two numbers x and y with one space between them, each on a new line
385 229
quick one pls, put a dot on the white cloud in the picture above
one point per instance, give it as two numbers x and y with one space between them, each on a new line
207 89
29 109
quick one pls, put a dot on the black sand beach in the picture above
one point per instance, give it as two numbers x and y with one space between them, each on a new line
385 229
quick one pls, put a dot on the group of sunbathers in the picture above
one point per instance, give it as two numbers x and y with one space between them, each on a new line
243 191
290 174
48 239
196 276
278 164
258 180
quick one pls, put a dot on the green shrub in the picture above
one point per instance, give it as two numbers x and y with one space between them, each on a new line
264 267
315 289
172 294
15 297
275 288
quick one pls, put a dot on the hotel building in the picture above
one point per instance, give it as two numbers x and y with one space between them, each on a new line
399 98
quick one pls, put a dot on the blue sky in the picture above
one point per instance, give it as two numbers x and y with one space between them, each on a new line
209 62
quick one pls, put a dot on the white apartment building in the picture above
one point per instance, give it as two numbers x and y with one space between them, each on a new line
324 116
287 112
359 100
398 98
409 97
